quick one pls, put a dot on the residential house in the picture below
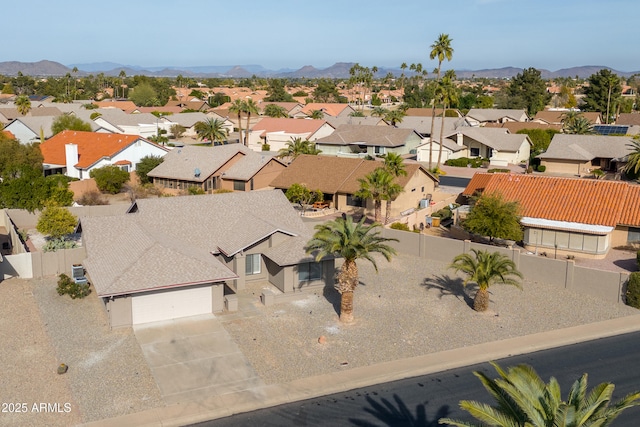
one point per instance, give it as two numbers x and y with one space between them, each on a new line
337 178
189 120
515 127
33 129
223 167
277 132
427 112
75 154
145 125
363 140
184 256
584 217
581 154
124 106
329 109
191 105
497 145
292 108
481 116
556 117
350 120
628 119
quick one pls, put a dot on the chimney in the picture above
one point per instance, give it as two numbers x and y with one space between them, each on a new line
71 159
459 139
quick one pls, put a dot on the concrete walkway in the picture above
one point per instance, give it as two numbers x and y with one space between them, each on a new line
194 359
262 396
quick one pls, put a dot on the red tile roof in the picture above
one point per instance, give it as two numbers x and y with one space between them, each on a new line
586 201
92 146
269 124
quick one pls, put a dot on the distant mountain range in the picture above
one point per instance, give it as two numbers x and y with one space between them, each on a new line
337 70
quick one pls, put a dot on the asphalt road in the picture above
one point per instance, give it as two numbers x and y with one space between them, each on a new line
421 401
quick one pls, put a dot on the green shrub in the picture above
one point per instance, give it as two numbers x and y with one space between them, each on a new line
465 161
109 178
400 226
75 290
194 191
498 170
266 147
92 198
633 290
542 168
638 259
55 244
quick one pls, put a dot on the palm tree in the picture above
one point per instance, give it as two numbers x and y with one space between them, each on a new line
379 112
298 146
394 164
75 81
275 111
351 241
442 50
523 399
573 122
447 94
250 107
23 104
374 186
317 114
212 130
403 67
395 116
633 164
237 107
486 269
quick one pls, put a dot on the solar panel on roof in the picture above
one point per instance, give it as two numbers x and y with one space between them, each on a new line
610 129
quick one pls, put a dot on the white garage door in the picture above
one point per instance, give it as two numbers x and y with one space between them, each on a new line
170 304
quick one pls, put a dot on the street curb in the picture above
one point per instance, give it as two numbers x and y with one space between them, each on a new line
321 385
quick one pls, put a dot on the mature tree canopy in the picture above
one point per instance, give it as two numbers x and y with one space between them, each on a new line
602 94
527 90
67 122
301 194
277 93
31 191
494 217
144 95
14 156
326 91
541 138
146 165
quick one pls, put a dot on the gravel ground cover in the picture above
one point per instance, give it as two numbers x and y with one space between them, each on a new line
108 375
411 307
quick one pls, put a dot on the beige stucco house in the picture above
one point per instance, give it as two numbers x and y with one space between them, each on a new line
177 257
277 132
337 178
367 140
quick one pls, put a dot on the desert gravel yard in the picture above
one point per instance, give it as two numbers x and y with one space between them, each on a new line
412 307
108 375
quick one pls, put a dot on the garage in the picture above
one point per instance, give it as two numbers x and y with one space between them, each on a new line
171 304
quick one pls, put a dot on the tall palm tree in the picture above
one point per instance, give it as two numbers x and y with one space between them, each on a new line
237 107
250 107
298 146
212 130
23 104
351 241
633 164
447 93
442 50
394 164
523 399
374 186
485 269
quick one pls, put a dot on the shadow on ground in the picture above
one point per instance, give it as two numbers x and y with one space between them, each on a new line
448 285
630 265
332 295
398 414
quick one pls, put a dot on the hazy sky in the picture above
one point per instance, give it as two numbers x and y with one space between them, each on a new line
545 34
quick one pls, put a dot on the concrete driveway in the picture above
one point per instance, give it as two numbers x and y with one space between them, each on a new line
194 359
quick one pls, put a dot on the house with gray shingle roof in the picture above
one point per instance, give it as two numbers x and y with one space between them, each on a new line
480 116
581 154
223 167
30 129
184 256
365 140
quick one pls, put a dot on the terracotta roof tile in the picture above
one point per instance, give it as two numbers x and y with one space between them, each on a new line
92 146
585 201
332 109
297 126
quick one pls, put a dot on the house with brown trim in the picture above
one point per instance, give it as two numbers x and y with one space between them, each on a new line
580 155
337 178
175 257
224 167
368 140
585 217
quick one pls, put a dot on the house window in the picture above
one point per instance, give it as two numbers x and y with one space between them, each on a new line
379 150
309 271
634 235
354 201
252 264
474 151
239 185
124 168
